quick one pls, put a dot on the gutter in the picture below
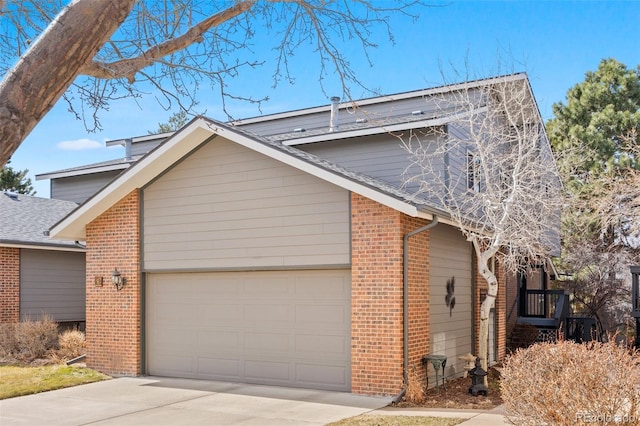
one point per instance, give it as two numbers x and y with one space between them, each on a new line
405 301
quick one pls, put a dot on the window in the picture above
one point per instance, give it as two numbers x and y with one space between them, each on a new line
474 173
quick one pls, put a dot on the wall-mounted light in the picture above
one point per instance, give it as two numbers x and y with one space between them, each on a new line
117 279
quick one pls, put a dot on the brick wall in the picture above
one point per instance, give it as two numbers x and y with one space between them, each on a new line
418 295
377 303
113 317
9 284
376 298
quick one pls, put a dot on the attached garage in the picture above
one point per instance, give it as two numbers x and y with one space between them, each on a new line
288 328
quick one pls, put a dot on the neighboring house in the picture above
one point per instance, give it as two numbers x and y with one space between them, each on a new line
272 250
38 275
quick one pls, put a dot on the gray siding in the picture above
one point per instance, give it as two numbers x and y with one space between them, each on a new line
451 329
320 120
141 148
227 207
52 282
79 188
381 156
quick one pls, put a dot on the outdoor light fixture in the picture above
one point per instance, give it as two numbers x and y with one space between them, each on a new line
117 279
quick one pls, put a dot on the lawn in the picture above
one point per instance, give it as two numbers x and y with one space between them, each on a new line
372 420
17 381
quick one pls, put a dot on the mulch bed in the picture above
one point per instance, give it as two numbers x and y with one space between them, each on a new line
457 395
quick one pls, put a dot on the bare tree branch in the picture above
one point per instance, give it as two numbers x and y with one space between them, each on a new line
127 68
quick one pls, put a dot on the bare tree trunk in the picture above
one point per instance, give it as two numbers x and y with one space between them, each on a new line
488 304
42 75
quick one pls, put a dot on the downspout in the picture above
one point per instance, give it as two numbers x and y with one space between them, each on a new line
405 303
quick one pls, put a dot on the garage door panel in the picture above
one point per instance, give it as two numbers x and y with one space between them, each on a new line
218 368
262 313
318 376
287 328
326 345
321 316
227 313
268 371
218 340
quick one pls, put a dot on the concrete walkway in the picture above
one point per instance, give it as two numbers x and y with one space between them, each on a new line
162 401
474 417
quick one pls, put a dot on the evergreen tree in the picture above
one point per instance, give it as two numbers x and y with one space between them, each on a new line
15 181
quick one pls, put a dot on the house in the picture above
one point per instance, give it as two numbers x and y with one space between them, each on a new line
284 249
38 275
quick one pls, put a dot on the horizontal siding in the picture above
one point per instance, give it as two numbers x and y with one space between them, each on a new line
320 120
79 188
52 282
229 207
382 157
451 329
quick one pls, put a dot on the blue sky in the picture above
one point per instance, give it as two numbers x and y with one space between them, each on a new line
555 42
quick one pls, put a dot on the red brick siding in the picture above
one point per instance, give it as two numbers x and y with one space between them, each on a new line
113 317
376 298
377 302
418 295
9 284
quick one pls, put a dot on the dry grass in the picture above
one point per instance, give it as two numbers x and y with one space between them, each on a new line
415 389
568 384
373 420
17 381
71 343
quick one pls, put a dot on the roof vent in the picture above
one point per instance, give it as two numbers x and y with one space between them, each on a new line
299 130
127 149
333 121
418 112
12 195
361 120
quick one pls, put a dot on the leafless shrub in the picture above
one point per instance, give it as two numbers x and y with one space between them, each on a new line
35 338
566 383
71 344
415 388
8 344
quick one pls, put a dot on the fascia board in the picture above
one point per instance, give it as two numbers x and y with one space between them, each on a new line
50 247
72 227
88 171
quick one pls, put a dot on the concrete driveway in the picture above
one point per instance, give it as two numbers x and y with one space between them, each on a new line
163 401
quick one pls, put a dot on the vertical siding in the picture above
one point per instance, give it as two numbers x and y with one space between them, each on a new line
451 329
79 188
52 282
229 207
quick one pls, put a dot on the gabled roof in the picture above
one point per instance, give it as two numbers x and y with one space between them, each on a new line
26 220
201 130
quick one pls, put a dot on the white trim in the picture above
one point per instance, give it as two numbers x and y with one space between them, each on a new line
43 247
368 131
87 171
116 142
180 144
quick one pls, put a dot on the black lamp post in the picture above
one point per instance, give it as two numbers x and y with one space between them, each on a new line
635 300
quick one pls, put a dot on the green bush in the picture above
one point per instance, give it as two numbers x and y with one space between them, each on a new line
566 383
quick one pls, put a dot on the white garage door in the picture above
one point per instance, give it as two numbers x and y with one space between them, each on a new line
288 328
